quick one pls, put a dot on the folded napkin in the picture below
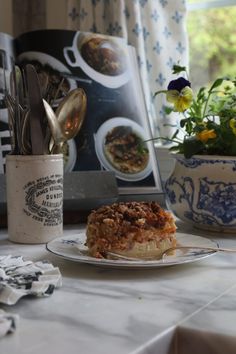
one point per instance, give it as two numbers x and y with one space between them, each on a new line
20 278
8 322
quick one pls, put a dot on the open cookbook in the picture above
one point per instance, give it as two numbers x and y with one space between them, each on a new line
116 120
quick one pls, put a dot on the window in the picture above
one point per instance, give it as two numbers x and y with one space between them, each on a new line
211 27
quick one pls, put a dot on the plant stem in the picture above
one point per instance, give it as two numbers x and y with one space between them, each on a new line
206 104
162 138
157 93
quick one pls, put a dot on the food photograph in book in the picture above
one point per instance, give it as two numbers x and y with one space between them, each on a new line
6 60
115 128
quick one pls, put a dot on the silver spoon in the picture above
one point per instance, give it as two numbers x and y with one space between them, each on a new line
54 125
71 112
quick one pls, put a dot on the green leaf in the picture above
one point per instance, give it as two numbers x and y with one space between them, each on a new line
217 83
192 146
183 122
168 110
175 134
233 148
175 148
176 69
201 93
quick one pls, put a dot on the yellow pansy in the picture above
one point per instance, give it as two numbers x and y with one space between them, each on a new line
232 124
179 93
227 86
181 99
205 135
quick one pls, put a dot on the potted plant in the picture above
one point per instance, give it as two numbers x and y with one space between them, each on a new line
202 187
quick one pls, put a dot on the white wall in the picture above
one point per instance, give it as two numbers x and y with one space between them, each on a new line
56 15
6 16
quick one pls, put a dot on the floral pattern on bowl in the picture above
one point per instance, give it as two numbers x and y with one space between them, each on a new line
202 191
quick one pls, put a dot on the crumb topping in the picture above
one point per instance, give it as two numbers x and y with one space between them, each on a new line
132 215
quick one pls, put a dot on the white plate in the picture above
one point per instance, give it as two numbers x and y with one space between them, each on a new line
100 137
68 247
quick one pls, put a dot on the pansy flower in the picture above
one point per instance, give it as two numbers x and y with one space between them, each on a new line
205 135
179 93
208 125
232 124
227 87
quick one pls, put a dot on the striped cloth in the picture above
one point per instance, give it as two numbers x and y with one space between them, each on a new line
19 278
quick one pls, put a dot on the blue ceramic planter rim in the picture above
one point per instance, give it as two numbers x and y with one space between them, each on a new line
204 157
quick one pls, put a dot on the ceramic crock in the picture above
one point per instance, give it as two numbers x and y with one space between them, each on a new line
34 197
202 191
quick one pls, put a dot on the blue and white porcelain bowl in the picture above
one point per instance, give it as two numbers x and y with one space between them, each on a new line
202 191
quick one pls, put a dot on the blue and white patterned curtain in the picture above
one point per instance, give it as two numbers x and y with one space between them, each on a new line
156 28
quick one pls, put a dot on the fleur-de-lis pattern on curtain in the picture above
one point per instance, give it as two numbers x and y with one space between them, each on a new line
156 28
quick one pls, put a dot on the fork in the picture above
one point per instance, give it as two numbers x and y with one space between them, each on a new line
171 250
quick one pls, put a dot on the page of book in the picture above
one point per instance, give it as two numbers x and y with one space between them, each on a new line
116 122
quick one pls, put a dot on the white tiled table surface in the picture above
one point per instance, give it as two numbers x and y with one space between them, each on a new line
174 310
